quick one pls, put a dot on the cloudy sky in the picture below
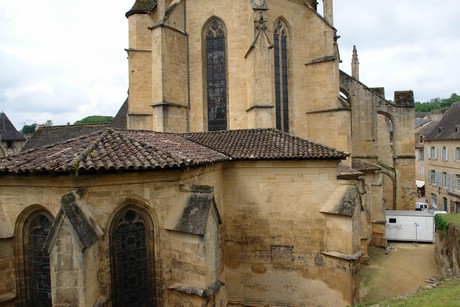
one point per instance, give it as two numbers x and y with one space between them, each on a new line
64 60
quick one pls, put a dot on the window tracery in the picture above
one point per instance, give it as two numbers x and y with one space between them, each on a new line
216 75
131 272
281 76
37 262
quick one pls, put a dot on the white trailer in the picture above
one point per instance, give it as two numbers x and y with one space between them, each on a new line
412 226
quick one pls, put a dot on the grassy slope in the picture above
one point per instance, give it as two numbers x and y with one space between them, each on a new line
446 293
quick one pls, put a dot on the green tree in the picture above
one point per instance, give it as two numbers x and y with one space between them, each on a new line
29 129
48 123
94 119
436 103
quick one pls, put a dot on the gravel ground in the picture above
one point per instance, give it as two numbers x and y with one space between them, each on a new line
399 273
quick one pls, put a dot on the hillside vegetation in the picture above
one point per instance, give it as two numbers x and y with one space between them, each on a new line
94 119
436 104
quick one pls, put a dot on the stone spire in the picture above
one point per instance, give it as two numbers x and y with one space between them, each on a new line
355 64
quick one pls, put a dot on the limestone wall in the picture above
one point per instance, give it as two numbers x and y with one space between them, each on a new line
275 236
7 288
158 193
372 115
270 239
158 74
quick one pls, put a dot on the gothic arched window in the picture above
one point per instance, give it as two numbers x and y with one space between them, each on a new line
36 260
216 75
281 76
132 282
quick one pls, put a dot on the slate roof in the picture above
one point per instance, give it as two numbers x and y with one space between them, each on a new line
142 7
55 134
8 131
421 121
120 119
425 130
449 126
110 149
134 150
264 144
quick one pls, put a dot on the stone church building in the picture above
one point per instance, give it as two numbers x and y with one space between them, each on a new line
249 170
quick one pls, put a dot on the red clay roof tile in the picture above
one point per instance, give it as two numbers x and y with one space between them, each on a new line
117 150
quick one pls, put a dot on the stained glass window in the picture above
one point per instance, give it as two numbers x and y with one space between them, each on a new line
38 262
281 76
216 76
131 271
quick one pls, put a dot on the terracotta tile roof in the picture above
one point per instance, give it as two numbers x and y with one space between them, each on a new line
116 150
142 7
7 130
449 126
264 144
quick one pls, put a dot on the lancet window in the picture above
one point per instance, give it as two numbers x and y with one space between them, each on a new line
280 39
37 262
132 283
216 75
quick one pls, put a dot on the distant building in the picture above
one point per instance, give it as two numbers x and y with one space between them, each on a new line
424 123
11 140
442 164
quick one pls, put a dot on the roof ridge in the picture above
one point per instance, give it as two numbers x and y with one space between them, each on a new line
71 126
79 158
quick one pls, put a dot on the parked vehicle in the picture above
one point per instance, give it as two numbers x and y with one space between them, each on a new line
411 226
421 206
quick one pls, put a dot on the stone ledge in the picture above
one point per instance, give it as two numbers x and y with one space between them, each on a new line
342 255
202 292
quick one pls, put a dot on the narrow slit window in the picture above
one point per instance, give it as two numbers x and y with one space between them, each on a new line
280 40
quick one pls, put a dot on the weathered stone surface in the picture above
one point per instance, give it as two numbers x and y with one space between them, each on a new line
277 227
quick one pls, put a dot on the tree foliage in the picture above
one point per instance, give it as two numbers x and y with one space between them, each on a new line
29 129
94 119
436 104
